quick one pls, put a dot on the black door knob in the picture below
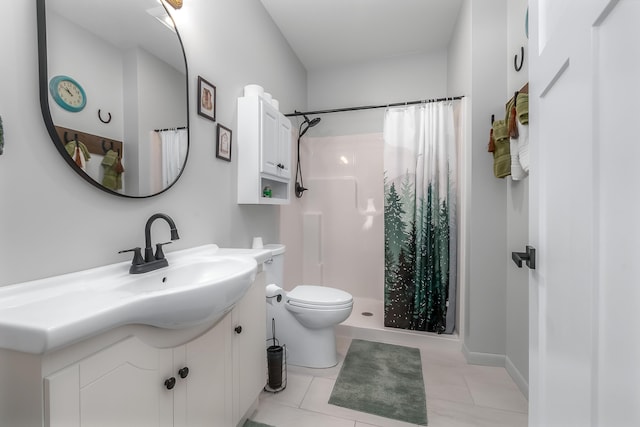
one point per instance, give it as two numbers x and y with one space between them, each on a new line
170 383
184 372
238 329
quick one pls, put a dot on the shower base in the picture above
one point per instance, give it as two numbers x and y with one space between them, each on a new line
367 323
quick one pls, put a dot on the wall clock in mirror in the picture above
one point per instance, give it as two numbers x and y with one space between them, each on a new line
68 93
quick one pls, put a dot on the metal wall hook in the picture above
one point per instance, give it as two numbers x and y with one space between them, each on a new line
104 146
515 59
101 119
529 257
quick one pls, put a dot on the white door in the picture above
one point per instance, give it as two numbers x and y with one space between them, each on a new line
584 213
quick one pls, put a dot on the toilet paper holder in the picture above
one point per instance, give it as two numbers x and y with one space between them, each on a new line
277 297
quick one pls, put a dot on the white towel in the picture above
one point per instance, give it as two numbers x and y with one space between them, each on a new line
523 146
517 173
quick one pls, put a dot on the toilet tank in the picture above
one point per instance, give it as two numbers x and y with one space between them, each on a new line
274 270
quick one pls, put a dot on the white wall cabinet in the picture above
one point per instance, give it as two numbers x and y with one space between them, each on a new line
264 152
213 379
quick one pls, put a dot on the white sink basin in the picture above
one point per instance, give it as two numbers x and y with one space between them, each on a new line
200 285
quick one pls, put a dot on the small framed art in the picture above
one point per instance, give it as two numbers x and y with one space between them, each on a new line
206 99
223 144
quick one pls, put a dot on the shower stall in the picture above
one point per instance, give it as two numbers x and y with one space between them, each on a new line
335 232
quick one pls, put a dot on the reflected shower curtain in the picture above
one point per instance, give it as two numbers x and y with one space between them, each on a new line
420 216
174 153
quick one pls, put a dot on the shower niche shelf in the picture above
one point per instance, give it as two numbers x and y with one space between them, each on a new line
264 153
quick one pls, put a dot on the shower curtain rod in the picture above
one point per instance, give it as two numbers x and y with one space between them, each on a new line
166 129
370 107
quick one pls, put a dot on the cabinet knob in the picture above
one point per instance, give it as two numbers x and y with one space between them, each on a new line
280 165
238 329
170 383
184 372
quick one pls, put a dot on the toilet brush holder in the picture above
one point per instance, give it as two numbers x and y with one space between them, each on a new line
276 368
276 363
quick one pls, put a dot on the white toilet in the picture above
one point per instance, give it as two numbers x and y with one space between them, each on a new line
304 317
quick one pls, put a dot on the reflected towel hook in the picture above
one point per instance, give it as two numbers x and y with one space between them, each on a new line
104 146
101 119
515 59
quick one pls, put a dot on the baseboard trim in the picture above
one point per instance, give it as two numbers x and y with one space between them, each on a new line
484 359
488 359
517 377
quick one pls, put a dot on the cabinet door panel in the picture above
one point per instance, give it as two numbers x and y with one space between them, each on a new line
125 396
208 384
123 386
250 357
62 398
269 132
284 147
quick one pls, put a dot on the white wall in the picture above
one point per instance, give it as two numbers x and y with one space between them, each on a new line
160 96
481 64
459 83
517 339
52 222
476 66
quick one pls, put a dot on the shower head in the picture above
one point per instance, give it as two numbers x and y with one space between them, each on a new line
299 188
309 123
312 122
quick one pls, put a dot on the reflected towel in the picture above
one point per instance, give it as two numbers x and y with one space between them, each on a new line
79 152
112 171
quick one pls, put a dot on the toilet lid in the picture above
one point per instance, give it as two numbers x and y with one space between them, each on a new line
319 296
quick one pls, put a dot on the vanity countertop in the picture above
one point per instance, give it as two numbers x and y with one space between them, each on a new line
200 284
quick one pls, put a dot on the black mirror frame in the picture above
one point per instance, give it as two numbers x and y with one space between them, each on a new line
46 112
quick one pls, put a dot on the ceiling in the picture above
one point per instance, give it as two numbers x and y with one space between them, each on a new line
329 33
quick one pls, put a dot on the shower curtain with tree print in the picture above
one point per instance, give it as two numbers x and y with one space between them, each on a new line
419 217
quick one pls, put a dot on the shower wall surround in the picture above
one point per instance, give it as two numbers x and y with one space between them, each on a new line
342 213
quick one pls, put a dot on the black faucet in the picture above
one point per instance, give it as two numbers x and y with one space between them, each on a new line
150 261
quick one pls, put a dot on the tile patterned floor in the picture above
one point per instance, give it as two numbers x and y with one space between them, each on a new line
458 394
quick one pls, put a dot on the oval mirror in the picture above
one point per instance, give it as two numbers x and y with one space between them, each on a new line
114 92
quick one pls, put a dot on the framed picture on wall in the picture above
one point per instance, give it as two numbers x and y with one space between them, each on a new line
206 99
223 144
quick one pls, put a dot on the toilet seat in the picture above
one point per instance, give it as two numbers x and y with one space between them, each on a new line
319 298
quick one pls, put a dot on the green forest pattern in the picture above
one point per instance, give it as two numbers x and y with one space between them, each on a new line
416 257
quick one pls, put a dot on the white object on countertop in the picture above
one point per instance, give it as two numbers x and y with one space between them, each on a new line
257 243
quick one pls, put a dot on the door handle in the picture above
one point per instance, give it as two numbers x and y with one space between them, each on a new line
529 257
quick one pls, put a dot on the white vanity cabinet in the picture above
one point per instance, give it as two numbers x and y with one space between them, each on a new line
249 349
117 385
133 376
134 384
264 152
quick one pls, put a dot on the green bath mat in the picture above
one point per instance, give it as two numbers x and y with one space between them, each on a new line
382 379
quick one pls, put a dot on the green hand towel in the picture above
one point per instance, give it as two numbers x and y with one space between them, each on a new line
502 153
112 178
522 108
